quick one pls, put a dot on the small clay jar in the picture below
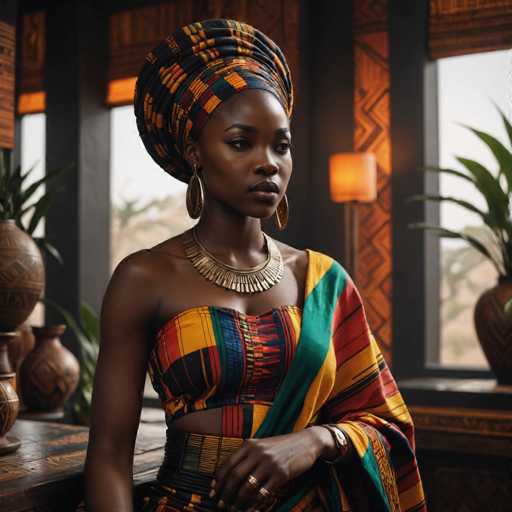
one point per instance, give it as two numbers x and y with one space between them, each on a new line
49 374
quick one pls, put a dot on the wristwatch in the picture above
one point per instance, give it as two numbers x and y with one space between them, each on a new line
340 440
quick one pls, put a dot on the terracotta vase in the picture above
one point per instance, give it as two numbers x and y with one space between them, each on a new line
19 348
49 374
9 403
21 275
494 329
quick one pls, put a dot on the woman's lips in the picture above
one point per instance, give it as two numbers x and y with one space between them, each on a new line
264 195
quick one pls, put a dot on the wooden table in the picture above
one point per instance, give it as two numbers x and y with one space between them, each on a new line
46 473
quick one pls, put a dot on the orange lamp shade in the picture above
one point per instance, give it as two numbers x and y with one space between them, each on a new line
353 177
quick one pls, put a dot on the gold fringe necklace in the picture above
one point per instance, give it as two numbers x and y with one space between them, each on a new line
247 280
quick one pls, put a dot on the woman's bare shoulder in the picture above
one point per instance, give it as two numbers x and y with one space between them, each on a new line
150 264
295 259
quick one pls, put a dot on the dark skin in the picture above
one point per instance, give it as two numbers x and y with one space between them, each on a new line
245 141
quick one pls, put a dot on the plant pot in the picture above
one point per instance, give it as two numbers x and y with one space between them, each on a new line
19 348
49 375
9 403
21 275
494 330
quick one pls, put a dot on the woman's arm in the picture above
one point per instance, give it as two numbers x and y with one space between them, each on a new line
128 307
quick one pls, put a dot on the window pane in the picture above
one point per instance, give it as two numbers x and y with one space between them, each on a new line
33 153
147 204
467 87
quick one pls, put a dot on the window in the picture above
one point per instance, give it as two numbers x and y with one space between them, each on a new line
33 153
147 204
466 86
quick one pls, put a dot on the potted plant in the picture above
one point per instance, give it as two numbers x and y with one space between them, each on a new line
20 214
493 310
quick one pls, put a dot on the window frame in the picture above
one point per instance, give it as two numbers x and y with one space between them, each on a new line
414 136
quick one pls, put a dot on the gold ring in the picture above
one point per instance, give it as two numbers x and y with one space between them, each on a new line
252 480
264 492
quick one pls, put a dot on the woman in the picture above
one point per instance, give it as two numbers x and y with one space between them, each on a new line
275 392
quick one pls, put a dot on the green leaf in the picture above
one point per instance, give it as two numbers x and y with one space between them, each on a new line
508 309
447 233
90 321
496 198
453 172
27 194
454 200
52 251
41 209
506 123
501 153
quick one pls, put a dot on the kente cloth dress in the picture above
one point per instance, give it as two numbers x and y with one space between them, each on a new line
277 373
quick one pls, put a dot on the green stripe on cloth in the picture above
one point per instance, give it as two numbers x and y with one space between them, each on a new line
381 503
312 348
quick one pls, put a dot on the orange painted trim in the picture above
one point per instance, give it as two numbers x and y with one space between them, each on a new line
31 102
121 92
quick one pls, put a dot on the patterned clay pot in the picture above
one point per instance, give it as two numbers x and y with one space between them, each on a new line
9 403
49 375
21 275
19 348
494 329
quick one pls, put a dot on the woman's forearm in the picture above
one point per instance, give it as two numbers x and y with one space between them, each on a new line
108 485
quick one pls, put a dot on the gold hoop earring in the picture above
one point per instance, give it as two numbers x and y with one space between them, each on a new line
282 213
195 195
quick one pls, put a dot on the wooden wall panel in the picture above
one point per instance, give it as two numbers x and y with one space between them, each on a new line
372 120
31 97
7 49
459 27
133 33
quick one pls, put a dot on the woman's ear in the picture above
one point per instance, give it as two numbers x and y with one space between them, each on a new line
192 155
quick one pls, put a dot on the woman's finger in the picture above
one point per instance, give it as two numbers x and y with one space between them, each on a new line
248 492
233 479
223 471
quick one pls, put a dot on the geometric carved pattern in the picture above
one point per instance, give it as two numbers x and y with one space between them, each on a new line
459 27
372 120
134 32
464 421
7 44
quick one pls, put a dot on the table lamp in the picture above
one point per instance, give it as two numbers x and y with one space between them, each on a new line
352 180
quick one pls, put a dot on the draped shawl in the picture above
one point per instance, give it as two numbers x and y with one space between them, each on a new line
338 375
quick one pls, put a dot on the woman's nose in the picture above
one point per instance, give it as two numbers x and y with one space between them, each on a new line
268 169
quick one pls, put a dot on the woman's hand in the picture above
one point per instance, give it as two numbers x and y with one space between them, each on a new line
272 461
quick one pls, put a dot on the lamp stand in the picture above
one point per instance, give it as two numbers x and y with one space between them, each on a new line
351 238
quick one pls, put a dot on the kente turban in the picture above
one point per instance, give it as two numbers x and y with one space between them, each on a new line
191 73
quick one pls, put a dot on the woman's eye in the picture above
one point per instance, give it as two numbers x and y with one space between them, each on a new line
283 147
239 144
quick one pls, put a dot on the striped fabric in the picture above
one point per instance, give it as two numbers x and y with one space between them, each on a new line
210 357
329 370
191 73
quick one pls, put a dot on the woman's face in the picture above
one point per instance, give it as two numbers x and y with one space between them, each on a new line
244 154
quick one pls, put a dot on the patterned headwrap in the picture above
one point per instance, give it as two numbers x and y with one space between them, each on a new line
191 73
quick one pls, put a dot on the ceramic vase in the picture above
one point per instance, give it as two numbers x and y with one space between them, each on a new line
49 374
494 329
21 275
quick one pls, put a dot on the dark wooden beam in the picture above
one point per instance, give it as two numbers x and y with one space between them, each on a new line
414 145
331 72
78 135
